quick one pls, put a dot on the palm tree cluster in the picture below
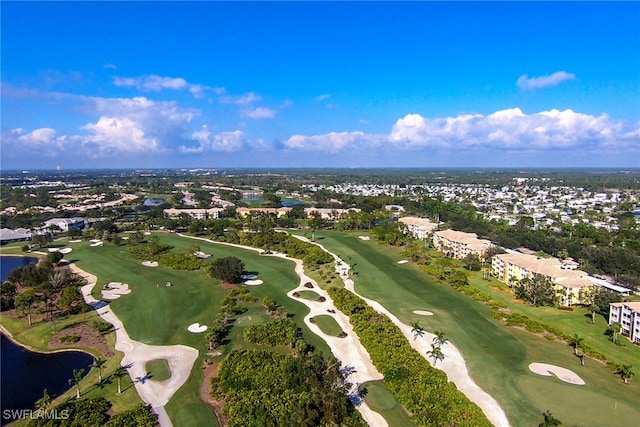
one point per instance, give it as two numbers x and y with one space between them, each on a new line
436 348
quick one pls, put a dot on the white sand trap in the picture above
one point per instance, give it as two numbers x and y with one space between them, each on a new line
196 328
253 282
125 238
116 290
423 312
53 249
248 277
94 240
150 263
202 255
147 233
565 375
75 241
364 237
403 261
65 250
96 244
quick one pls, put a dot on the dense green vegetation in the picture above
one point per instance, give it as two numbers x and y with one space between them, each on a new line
422 389
264 388
279 332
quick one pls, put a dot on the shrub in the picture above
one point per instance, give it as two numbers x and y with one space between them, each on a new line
70 338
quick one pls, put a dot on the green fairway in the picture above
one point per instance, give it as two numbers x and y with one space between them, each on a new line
310 295
159 315
382 401
328 325
497 356
158 369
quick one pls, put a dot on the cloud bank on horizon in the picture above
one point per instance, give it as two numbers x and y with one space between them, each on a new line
238 113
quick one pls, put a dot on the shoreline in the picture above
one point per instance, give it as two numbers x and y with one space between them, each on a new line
4 331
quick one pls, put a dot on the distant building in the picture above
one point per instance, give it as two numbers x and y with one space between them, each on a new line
18 235
626 314
211 213
65 224
328 213
279 212
419 228
458 244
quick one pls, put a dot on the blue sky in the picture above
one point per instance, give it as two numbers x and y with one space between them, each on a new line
314 84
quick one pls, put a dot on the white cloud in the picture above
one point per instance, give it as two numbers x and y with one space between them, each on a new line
526 83
323 97
246 99
110 135
223 141
157 83
259 113
110 66
509 129
332 142
41 141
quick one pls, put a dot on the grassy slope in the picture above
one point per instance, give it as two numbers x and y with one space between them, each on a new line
382 401
497 356
328 325
159 315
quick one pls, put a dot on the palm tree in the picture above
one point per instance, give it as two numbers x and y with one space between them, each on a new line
593 309
98 363
439 338
77 377
549 420
625 373
576 340
416 330
616 328
119 373
436 353
44 401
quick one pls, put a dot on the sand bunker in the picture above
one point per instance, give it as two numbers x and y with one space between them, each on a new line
404 261
202 255
53 249
75 241
196 328
364 237
253 282
248 276
65 250
565 375
147 233
423 312
98 243
115 290
150 263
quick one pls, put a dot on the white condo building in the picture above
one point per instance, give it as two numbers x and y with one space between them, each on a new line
628 315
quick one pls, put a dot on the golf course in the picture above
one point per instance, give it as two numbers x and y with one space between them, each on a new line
164 302
497 356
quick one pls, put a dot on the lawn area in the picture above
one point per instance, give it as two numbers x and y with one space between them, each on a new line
310 295
497 356
158 369
328 325
382 401
159 315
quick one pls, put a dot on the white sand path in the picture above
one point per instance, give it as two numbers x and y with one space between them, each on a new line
453 364
180 358
348 350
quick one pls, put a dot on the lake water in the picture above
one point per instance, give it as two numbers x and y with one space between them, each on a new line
25 374
8 263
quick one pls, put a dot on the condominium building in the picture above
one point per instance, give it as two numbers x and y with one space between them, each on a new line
626 314
572 286
211 213
279 212
328 213
418 228
458 244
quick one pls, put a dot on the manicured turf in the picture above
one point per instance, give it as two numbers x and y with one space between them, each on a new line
158 370
310 295
382 401
159 315
328 325
497 356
